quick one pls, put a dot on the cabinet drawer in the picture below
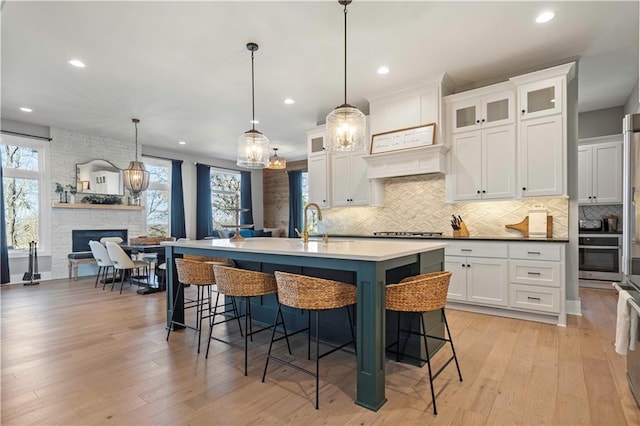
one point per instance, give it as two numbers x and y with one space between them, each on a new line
533 298
473 249
535 273
535 251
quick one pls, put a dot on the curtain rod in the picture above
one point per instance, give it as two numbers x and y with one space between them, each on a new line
160 158
26 135
219 167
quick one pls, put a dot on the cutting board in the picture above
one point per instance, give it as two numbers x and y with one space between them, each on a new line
523 226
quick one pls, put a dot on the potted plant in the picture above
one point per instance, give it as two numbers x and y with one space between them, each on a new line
60 192
72 191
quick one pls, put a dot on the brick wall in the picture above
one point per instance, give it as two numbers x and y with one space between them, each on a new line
276 198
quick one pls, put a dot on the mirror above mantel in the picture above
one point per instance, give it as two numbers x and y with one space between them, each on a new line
99 177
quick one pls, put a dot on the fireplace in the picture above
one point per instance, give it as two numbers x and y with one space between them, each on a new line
80 237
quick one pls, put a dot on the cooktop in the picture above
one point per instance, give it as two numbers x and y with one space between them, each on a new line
408 234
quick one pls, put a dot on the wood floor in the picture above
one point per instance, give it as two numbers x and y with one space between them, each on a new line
73 354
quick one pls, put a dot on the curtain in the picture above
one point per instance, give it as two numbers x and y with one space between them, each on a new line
295 202
4 250
204 216
246 218
177 227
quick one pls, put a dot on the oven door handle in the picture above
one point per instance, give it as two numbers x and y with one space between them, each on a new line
600 247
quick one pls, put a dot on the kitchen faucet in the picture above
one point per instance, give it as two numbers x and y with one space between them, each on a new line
305 231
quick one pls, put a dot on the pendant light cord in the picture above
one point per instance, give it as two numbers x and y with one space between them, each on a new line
345 54
253 97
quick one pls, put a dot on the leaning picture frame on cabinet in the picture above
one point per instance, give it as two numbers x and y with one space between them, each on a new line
396 140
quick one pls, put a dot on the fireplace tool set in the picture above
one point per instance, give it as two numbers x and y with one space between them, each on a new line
32 276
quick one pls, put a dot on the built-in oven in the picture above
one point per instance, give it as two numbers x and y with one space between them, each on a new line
600 257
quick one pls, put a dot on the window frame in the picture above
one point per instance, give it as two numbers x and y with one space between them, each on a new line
158 162
220 170
43 175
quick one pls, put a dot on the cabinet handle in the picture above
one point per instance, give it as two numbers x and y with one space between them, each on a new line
533 273
537 299
533 252
466 250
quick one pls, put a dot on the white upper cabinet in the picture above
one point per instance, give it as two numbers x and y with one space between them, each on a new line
600 172
493 109
541 156
542 122
318 167
350 186
483 143
540 98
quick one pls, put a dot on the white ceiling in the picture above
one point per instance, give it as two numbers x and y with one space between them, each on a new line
184 70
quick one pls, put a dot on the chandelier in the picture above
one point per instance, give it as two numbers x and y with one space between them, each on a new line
253 146
345 124
136 177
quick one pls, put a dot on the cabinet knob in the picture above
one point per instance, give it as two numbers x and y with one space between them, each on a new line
478 121
524 189
478 191
468 266
523 111
484 192
589 196
594 197
483 120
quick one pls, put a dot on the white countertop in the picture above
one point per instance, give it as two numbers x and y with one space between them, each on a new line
336 248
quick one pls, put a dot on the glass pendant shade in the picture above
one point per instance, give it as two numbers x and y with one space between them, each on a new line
346 129
136 178
275 162
253 150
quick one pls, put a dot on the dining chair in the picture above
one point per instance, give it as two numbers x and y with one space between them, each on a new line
123 262
103 260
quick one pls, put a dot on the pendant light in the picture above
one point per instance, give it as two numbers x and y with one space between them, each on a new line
253 146
345 124
136 177
275 162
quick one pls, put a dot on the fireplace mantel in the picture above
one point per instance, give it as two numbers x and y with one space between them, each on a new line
96 206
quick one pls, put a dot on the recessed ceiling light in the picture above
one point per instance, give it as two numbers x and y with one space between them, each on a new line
182 143
254 121
289 101
383 70
77 63
25 109
545 16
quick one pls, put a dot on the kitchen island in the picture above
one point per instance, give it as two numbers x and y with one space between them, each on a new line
371 262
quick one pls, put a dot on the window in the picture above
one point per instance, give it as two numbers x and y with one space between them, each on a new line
225 195
25 191
158 197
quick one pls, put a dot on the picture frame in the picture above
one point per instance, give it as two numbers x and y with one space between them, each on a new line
407 138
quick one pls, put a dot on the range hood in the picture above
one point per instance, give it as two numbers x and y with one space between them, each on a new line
406 162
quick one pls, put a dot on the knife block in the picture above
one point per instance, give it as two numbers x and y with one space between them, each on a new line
462 232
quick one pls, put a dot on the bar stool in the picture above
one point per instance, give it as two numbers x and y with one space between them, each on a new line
246 284
420 294
199 274
313 295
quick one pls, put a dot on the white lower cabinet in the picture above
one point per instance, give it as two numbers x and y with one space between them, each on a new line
520 279
474 279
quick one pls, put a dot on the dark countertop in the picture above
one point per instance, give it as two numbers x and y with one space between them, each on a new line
445 237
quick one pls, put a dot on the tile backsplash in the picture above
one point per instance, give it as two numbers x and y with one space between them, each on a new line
596 212
417 203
